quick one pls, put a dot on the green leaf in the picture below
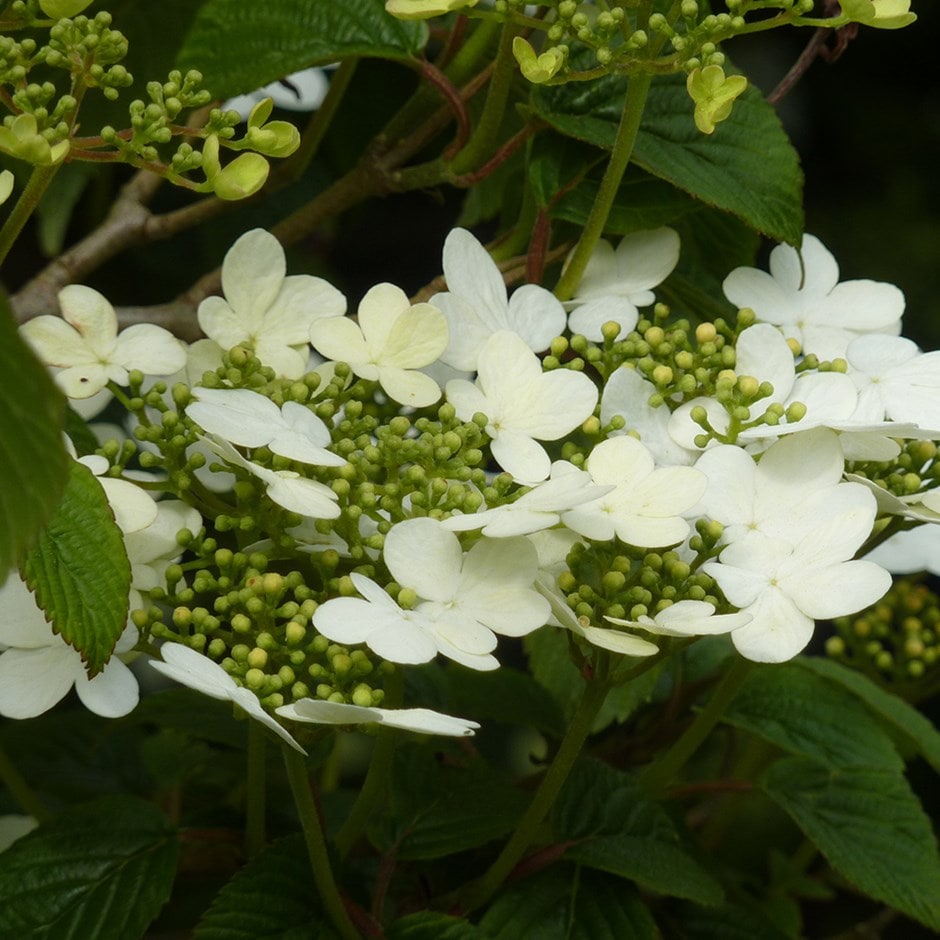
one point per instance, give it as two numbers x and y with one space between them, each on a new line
727 922
429 925
747 167
271 898
870 827
807 715
79 572
101 870
901 718
33 461
267 41
617 829
563 903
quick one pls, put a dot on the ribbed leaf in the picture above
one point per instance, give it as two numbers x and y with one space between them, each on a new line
79 572
267 41
102 870
870 827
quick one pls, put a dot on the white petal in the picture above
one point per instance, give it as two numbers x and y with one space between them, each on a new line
91 314
424 556
184 665
778 632
33 681
149 348
252 274
238 415
112 693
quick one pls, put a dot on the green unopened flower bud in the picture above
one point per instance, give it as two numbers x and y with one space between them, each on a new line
537 68
60 9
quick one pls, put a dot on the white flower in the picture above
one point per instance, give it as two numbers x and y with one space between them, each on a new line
299 91
265 309
422 720
645 505
391 341
463 600
540 508
803 296
686 618
39 668
192 669
249 419
476 304
615 283
88 350
522 404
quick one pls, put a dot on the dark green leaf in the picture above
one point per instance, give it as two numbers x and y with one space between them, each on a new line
267 41
102 870
272 898
728 922
557 163
33 461
193 713
900 717
870 827
428 925
809 716
615 828
563 903
747 167
83 593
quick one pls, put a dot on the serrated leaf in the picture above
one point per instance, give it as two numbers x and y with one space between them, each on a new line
429 925
565 904
617 829
102 870
272 898
870 827
896 713
33 461
266 41
747 167
806 715
79 572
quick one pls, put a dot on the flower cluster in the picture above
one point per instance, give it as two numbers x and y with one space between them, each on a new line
359 494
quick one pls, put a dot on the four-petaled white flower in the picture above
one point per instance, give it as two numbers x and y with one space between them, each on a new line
249 419
476 304
802 295
264 308
421 720
615 283
392 340
463 601
85 347
192 669
523 404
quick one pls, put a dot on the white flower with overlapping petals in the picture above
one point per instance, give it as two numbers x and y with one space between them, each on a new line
392 340
463 601
265 309
645 504
192 669
616 283
421 720
802 295
87 351
522 404
249 419
39 668
476 304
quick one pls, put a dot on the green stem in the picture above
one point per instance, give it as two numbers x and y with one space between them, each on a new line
255 790
316 844
637 92
482 143
659 774
25 206
480 891
20 790
375 784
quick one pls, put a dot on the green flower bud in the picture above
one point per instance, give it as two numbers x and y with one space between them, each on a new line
60 9
537 68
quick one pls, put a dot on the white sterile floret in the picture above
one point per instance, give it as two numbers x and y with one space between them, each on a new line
463 601
38 669
421 720
192 669
476 304
687 618
802 295
265 309
615 283
86 348
539 508
645 505
249 419
910 552
392 340
522 404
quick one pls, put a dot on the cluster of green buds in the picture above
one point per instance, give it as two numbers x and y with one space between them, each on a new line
915 470
896 642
